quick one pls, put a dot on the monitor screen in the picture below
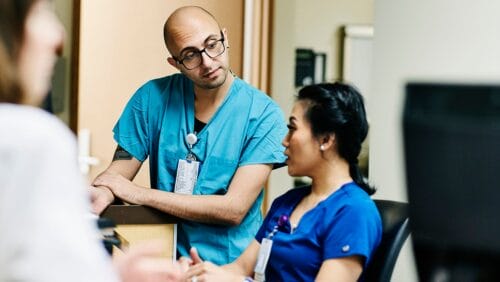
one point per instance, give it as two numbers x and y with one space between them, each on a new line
452 156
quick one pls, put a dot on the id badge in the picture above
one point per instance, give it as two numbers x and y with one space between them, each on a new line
262 259
187 175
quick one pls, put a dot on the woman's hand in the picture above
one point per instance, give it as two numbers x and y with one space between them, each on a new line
207 271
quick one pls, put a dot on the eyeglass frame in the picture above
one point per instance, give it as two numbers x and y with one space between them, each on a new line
204 50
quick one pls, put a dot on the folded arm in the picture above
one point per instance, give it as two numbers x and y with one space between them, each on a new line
229 209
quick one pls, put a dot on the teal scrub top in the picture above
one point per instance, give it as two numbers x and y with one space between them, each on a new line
248 128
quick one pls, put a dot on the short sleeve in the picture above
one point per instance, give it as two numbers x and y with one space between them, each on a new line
131 130
264 145
353 231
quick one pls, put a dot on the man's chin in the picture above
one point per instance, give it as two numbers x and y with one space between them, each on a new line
216 83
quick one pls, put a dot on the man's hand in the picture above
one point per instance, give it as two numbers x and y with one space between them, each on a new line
100 197
120 186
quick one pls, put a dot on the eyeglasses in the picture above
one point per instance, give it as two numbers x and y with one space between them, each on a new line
192 58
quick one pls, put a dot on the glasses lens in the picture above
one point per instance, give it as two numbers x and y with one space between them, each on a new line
192 61
215 49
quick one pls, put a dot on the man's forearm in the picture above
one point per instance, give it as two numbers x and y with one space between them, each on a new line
217 209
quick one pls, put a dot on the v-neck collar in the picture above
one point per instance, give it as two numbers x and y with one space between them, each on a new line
189 100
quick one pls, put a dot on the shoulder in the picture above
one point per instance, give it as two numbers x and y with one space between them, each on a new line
159 85
292 194
353 200
259 99
156 92
34 130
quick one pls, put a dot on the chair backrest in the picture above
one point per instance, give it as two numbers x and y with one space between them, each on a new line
395 232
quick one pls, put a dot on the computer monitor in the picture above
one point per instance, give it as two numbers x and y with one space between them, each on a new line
452 156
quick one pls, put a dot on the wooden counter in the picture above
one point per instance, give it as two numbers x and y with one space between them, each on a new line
136 223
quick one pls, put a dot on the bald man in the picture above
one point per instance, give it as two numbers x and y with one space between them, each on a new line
210 137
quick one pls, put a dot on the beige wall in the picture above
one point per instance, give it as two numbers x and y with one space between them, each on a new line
121 47
436 40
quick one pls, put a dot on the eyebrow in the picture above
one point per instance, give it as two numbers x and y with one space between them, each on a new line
209 38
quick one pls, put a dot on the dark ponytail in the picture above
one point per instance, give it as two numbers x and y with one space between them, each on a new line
338 108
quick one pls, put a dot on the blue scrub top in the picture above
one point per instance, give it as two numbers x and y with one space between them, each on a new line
247 129
347 223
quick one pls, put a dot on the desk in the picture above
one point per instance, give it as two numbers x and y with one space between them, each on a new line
135 223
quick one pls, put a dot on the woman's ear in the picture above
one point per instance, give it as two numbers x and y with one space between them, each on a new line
327 142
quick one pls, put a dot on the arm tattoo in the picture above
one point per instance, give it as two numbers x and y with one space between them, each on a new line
121 154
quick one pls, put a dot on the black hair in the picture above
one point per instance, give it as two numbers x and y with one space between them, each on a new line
338 108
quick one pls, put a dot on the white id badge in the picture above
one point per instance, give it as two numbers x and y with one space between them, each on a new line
187 174
264 253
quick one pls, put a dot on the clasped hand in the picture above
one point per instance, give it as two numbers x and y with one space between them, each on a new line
205 271
109 185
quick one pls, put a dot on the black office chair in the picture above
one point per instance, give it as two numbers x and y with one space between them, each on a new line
395 232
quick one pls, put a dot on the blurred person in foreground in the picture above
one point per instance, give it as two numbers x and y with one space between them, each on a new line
47 234
329 230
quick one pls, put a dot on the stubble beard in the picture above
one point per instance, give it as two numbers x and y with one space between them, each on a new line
216 83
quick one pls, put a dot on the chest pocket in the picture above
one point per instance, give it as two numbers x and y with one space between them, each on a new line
215 176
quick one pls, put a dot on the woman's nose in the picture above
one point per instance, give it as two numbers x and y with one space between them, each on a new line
285 141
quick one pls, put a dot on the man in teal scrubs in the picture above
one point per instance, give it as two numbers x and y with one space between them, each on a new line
235 138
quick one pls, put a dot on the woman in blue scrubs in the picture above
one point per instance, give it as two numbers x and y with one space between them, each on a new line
327 231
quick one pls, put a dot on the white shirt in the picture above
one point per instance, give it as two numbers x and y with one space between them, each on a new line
46 233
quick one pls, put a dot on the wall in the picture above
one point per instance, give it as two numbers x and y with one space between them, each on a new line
121 47
309 24
318 25
64 10
433 40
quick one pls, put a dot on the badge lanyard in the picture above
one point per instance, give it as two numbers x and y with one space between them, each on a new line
265 250
187 169
191 139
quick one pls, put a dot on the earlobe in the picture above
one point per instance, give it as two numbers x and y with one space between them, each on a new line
327 142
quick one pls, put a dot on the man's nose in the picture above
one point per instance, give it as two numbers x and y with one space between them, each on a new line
205 59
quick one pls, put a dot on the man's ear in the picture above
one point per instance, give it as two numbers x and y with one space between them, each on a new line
172 62
226 38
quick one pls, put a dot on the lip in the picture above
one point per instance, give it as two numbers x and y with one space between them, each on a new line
211 74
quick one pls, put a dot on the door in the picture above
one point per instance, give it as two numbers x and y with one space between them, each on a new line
120 48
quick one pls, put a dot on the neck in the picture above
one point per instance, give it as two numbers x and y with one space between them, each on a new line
329 176
207 101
